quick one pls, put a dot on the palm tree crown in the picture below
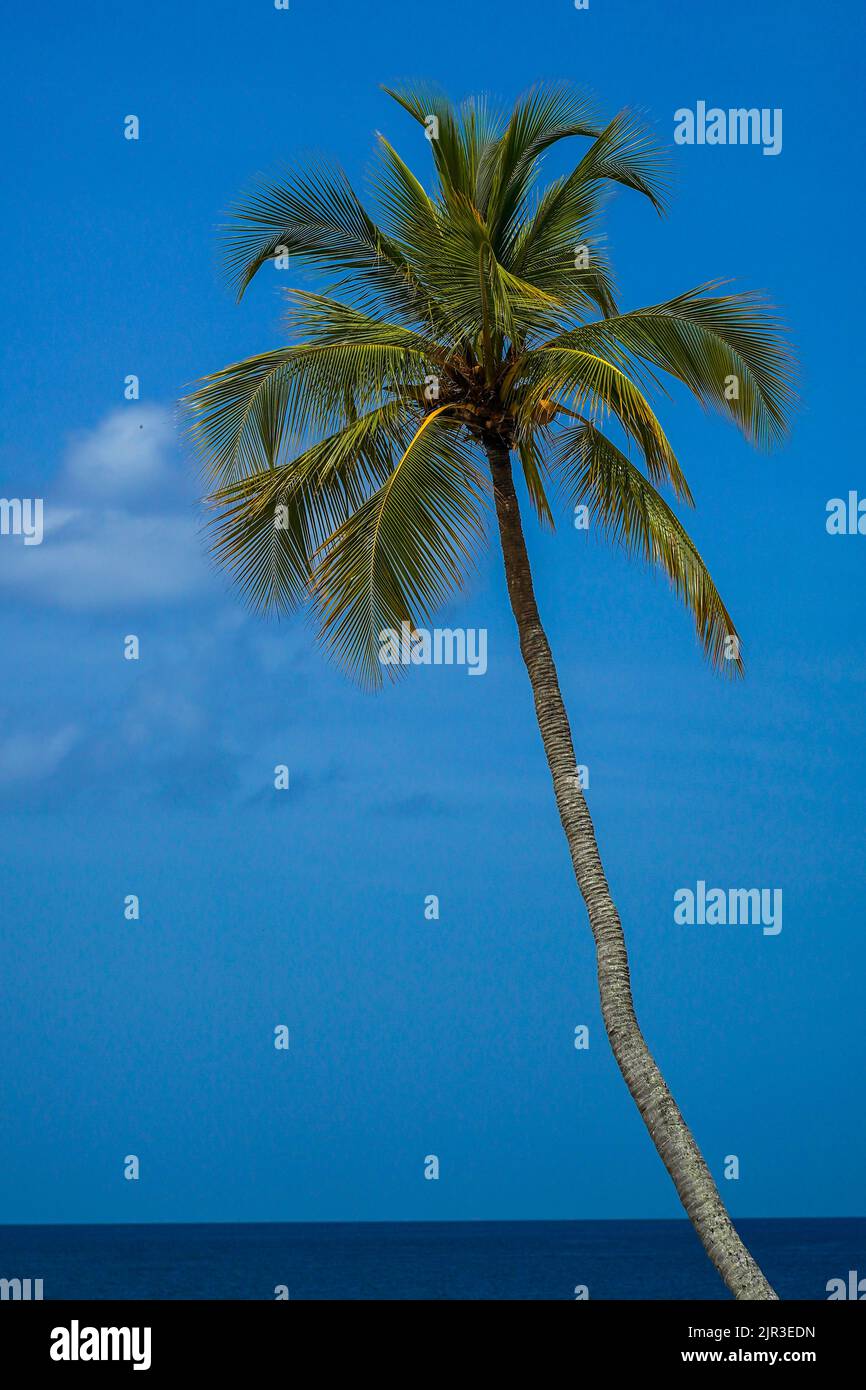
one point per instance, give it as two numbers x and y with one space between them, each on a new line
346 469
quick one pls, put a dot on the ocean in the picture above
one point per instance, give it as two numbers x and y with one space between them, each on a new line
421 1260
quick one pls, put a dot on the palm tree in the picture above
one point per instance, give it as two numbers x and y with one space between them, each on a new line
469 328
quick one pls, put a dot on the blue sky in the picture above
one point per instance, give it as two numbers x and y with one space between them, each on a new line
411 1037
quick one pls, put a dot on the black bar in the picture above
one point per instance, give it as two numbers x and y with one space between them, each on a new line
281 1338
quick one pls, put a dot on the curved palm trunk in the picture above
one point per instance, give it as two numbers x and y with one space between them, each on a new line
661 1115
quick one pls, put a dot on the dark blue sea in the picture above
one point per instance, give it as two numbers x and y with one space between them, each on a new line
421 1260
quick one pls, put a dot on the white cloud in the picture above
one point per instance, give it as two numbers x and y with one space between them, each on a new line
121 524
24 757
125 454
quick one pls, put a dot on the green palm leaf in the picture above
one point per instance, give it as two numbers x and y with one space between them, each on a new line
628 510
319 219
266 528
244 416
403 552
727 349
584 378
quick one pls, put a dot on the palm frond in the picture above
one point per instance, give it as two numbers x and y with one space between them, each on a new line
727 349
403 551
478 293
584 378
567 214
267 528
456 147
543 116
244 416
318 218
627 509
532 460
